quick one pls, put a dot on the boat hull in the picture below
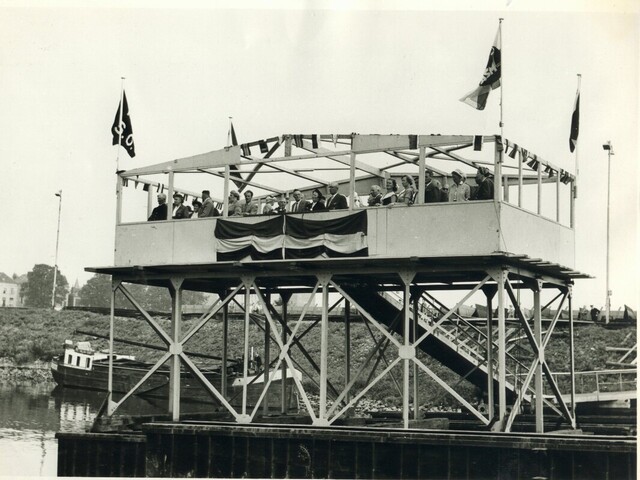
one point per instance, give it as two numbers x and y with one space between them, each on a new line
126 376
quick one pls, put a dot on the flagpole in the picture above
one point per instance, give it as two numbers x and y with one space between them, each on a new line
229 133
575 187
498 169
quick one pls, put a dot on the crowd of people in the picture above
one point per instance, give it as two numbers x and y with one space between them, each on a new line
405 193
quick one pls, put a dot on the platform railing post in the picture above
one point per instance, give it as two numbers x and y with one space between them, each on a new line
175 348
352 180
537 333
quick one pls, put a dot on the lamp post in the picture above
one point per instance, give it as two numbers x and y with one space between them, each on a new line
55 266
609 149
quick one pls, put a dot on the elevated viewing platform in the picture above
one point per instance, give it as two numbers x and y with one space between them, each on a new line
383 223
535 229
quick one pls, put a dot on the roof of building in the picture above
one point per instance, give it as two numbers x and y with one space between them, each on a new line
4 278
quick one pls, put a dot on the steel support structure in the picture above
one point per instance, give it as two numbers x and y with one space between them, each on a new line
396 346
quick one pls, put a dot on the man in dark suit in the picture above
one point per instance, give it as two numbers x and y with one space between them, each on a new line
300 204
485 184
336 201
432 189
179 210
160 212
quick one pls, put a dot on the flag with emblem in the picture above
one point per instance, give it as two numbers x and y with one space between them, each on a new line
490 78
121 130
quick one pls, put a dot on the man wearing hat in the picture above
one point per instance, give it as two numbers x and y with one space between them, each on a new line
336 201
269 205
485 184
179 210
459 191
160 212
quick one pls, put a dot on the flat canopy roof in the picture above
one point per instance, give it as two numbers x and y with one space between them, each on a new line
453 272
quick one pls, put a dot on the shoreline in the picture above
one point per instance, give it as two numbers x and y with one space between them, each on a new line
36 372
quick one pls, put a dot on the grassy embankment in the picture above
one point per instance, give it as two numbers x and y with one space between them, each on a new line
30 335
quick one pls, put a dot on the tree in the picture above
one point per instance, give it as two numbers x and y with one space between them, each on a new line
39 284
96 293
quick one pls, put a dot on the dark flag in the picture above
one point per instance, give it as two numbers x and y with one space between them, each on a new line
490 78
575 123
121 130
234 169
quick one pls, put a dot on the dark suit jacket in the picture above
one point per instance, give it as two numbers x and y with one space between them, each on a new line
485 190
432 192
318 207
181 212
337 202
158 213
303 206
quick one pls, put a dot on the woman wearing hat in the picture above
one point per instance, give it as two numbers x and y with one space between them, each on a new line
269 205
459 191
235 210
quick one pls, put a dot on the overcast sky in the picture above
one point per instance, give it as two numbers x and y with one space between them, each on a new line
327 67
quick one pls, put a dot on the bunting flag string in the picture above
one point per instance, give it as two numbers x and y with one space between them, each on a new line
263 146
514 150
314 141
477 143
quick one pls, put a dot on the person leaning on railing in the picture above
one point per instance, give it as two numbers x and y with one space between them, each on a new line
317 202
249 207
160 212
375 196
235 209
336 200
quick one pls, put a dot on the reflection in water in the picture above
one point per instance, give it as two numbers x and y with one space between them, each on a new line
30 416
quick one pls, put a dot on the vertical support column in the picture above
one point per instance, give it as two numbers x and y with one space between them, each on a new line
506 189
522 160
324 351
175 348
539 189
283 385
245 357
407 352
267 358
119 199
572 360
558 197
150 191
347 347
352 179
572 206
537 334
502 351
225 347
421 170
414 336
170 195
489 292
497 168
225 200
110 403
